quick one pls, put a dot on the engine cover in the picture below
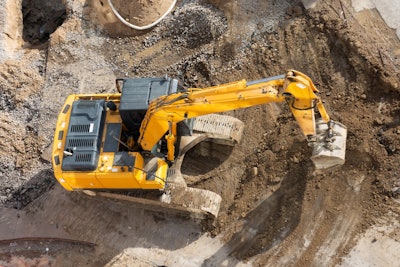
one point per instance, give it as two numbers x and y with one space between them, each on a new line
83 141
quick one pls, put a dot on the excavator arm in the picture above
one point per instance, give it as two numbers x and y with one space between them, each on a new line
165 112
295 88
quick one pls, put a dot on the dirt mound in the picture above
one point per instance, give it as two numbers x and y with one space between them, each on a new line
195 25
20 143
140 13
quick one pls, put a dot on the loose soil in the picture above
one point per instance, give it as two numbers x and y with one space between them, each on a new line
276 210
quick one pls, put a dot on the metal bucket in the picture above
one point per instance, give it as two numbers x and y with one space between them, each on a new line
330 148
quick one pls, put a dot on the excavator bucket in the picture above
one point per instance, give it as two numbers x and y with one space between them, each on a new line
330 147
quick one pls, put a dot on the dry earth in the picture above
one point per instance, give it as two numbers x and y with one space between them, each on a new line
283 214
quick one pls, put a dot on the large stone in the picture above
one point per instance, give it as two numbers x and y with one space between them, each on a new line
309 3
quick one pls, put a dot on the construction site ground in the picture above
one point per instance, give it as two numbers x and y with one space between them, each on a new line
276 210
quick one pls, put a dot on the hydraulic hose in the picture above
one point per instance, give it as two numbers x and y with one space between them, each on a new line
141 28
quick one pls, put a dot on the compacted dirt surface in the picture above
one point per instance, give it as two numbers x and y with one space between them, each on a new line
276 210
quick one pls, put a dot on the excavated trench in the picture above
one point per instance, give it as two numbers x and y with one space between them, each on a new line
269 190
205 157
40 19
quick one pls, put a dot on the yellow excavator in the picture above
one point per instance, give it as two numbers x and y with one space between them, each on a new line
136 139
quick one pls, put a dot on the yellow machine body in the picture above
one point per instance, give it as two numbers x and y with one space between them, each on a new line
159 124
106 174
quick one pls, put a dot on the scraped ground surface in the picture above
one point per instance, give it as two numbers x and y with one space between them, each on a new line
283 214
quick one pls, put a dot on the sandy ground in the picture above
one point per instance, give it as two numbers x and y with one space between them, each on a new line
286 214
387 9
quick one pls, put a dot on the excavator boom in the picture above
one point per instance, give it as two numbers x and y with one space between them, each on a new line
295 88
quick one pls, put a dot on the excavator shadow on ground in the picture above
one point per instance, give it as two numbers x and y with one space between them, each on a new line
271 221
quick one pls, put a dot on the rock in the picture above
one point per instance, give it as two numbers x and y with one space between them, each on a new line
274 179
19 146
255 171
297 11
19 162
46 153
357 44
